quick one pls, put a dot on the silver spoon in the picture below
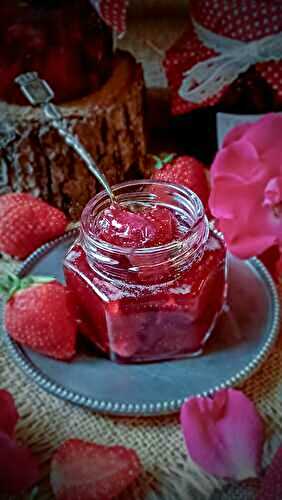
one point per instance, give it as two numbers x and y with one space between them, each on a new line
38 92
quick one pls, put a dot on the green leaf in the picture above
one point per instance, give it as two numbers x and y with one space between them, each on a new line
162 160
10 283
168 158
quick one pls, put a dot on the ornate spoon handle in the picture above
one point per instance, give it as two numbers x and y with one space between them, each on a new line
38 92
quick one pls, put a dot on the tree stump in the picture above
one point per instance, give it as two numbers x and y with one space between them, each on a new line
109 123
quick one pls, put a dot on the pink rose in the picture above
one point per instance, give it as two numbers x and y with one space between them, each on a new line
246 193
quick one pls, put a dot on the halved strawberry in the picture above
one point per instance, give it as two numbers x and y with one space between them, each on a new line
89 471
40 315
26 223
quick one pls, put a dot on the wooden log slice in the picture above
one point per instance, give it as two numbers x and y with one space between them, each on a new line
110 124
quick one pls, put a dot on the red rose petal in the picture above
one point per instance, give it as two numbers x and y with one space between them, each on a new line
271 488
224 434
8 413
18 468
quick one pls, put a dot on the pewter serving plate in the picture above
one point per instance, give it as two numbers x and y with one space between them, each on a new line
243 336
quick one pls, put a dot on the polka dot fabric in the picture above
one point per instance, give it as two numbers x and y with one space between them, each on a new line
114 13
244 20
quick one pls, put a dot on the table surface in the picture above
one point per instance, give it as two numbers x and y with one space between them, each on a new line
169 474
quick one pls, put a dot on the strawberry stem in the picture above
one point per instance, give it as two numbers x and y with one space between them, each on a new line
10 283
161 161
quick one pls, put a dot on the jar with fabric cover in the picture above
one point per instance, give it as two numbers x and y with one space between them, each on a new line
228 60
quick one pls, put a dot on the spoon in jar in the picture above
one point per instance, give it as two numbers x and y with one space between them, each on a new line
39 93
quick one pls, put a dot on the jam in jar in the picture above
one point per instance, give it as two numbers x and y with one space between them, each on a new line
148 274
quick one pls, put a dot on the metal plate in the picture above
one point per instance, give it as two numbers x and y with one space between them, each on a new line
241 341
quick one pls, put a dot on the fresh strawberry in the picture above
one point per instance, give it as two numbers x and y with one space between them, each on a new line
184 170
88 471
40 315
26 223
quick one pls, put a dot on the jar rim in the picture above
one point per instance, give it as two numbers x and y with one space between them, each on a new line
115 249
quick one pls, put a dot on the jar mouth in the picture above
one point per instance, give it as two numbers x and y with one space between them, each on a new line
191 206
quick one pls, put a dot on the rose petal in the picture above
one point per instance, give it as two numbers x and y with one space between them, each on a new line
239 162
273 192
18 468
224 434
271 488
265 134
230 199
8 413
272 159
245 239
236 134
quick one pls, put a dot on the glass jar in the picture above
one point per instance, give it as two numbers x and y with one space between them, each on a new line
148 304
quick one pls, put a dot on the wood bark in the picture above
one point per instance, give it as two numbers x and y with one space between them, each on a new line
110 124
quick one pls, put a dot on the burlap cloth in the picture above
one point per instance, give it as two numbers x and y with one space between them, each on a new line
169 474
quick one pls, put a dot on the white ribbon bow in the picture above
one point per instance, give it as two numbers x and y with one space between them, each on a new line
209 77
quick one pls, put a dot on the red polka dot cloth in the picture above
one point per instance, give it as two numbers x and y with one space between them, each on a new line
238 20
113 12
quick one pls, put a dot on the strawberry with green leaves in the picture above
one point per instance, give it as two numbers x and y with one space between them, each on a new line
27 223
184 170
89 471
39 313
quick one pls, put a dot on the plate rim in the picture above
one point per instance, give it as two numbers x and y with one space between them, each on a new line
134 409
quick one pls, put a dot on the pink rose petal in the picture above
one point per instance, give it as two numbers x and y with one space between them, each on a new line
273 192
236 133
224 434
239 161
8 413
265 134
272 159
271 488
18 469
252 239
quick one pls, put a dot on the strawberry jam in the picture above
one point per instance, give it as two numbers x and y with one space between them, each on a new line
147 274
147 227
